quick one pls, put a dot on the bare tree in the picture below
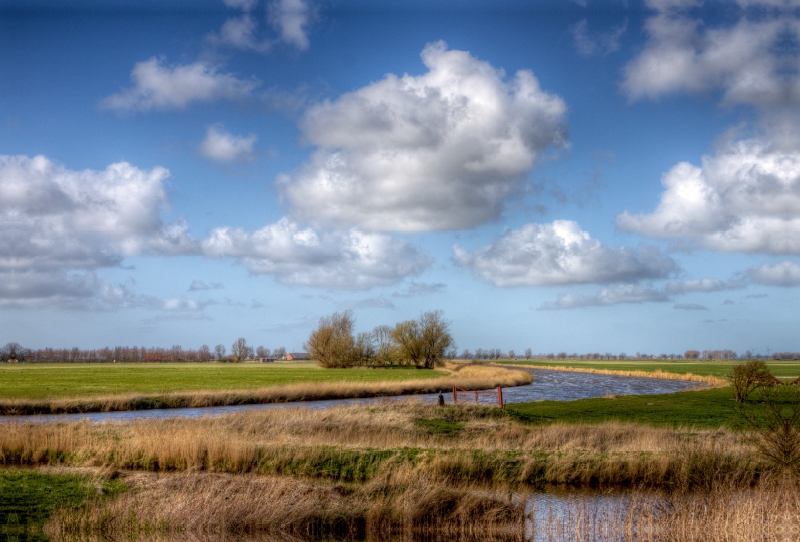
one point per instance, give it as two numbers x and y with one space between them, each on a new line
262 352
219 351
385 351
239 349
465 354
748 377
528 353
332 343
279 352
512 354
423 342
775 421
204 353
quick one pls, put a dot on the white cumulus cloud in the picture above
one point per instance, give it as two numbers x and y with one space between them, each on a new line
415 153
560 253
748 62
781 274
160 87
223 146
746 198
57 226
348 260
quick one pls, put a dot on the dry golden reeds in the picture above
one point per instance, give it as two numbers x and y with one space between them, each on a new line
464 376
212 504
364 442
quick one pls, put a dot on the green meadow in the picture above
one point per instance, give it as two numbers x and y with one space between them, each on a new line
34 381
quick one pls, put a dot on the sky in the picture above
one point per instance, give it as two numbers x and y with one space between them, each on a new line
579 176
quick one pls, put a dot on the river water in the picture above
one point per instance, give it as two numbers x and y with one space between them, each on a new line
547 385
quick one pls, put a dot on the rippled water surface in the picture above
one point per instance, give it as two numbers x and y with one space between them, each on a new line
547 385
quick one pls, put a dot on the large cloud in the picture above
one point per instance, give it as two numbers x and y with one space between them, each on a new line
746 198
57 226
437 151
749 62
558 254
156 86
297 256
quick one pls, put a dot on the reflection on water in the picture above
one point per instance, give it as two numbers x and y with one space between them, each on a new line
547 385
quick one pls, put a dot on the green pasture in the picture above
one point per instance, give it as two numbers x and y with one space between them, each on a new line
34 381
702 367
711 408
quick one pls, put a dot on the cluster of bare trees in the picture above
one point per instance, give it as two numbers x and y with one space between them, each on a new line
421 343
134 354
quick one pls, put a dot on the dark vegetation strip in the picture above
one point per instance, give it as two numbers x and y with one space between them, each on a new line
715 368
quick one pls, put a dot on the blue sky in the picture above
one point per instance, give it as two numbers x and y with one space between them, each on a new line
561 176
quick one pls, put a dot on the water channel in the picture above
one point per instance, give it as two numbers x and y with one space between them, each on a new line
547 385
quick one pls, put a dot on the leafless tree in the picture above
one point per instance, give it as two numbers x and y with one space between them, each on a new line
528 353
279 352
465 354
423 342
512 354
385 351
204 353
748 377
239 349
332 343
775 422
219 351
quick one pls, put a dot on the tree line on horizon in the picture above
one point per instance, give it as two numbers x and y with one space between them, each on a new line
134 354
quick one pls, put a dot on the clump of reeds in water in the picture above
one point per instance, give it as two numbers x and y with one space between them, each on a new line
159 506
769 512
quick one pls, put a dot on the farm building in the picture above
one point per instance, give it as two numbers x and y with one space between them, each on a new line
297 356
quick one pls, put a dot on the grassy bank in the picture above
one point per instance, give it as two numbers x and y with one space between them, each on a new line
708 409
470 377
454 444
27 499
700 368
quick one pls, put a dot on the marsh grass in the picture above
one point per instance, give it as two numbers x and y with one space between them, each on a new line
218 504
453 444
470 377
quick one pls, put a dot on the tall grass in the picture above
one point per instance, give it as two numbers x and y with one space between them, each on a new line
768 512
213 504
361 443
468 377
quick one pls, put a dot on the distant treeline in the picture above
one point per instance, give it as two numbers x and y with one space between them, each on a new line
14 352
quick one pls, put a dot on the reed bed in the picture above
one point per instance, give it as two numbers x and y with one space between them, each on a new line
469 377
768 512
453 444
203 504
711 380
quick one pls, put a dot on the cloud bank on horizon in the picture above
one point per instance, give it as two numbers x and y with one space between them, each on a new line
410 183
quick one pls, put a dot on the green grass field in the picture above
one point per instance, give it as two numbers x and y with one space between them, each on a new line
703 367
27 498
702 409
76 380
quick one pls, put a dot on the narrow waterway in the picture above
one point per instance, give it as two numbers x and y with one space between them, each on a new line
547 385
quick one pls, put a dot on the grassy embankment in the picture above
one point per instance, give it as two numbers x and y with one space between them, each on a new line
55 389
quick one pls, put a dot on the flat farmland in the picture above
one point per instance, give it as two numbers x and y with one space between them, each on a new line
87 380
702 367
